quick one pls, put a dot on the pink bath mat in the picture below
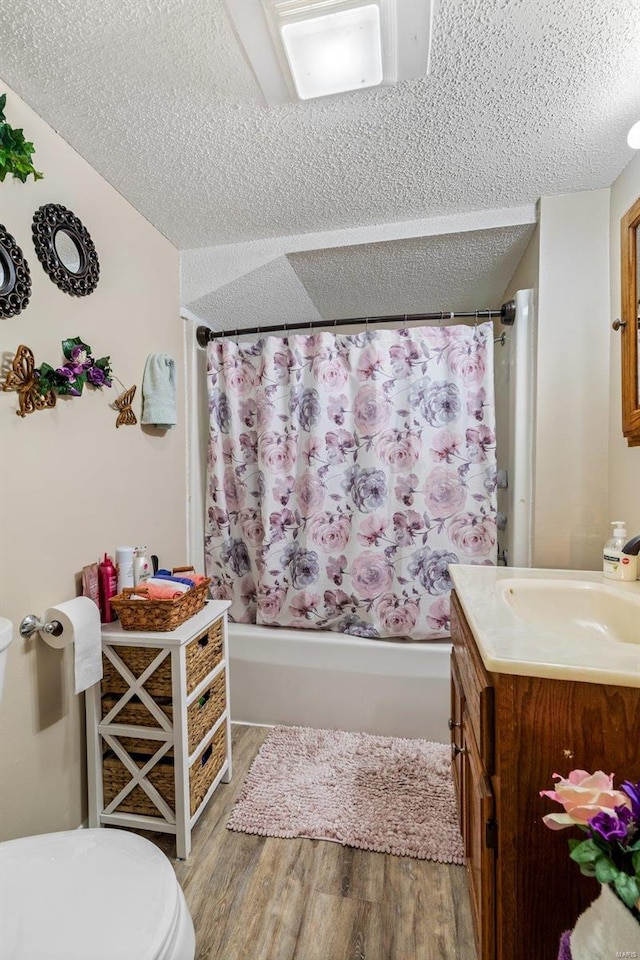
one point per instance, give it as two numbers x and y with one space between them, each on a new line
376 793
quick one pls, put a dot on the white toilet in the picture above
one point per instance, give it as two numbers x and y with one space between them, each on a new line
89 894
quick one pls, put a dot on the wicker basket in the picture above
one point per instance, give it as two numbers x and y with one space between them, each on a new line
202 655
201 716
159 615
202 773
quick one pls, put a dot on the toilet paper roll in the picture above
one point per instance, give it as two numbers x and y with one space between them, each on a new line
80 622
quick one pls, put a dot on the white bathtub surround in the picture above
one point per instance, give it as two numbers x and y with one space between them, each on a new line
335 681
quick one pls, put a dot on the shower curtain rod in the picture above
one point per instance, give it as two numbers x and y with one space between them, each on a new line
507 314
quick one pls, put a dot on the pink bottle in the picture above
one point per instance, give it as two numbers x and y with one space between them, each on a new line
107 582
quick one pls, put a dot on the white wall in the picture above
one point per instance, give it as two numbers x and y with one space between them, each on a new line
624 461
572 385
71 485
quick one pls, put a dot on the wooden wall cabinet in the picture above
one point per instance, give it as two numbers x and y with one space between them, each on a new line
509 734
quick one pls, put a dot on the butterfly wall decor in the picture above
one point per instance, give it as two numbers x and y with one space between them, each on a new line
22 378
126 416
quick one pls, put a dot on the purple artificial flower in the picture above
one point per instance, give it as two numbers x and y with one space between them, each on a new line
633 792
96 377
613 825
69 373
80 357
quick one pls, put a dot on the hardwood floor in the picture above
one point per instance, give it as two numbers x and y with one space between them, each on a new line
262 898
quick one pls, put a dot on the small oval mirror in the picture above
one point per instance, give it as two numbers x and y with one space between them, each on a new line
68 251
15 279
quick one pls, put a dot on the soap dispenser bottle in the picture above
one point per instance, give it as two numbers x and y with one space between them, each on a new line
141 566
617 565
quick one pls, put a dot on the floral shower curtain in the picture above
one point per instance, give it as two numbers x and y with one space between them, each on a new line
345 473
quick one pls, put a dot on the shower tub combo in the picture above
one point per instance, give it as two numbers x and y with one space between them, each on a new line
316 678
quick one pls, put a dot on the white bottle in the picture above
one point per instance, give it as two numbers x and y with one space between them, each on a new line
617 565
141 566
124 566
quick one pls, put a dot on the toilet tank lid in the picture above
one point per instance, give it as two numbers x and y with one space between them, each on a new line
104 894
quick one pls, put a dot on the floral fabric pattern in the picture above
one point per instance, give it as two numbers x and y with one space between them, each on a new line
345 473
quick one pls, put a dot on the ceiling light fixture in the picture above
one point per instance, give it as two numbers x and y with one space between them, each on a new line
633 137
304 49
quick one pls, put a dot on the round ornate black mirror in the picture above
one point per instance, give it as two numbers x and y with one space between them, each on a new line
15 279
65 249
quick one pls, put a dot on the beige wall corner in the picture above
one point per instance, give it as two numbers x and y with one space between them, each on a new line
624 461
71 485
572 381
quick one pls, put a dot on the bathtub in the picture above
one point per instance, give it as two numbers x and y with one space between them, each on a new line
331 680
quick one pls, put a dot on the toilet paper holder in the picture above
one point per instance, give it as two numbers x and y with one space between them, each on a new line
30 625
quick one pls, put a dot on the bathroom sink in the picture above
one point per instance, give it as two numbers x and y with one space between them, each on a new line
575 608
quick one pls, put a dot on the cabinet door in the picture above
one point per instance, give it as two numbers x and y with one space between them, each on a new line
455 725
480 840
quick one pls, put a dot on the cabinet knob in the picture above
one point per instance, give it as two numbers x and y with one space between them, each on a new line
452 723
455 750
618 323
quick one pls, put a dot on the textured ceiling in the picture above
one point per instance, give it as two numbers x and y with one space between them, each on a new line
525 98
464 271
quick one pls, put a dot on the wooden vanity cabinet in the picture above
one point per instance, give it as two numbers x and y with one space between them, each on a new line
509 734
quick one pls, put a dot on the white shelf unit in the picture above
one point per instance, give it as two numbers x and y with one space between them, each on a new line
173 682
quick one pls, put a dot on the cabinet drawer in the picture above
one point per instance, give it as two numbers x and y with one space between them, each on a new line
203 654
203 712
476 687
137 659
202 773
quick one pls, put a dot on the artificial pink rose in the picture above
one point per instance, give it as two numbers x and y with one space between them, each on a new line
240 376
252 526
444 492
330 370
270 601
234 490
371 574
479 440
277 452
467 357
474 535
398 449
329 532
445 446
372 529
397 616
371 409
582 795
371 362
310 492
439 614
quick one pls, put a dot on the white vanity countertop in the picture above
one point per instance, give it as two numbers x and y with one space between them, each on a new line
510 644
